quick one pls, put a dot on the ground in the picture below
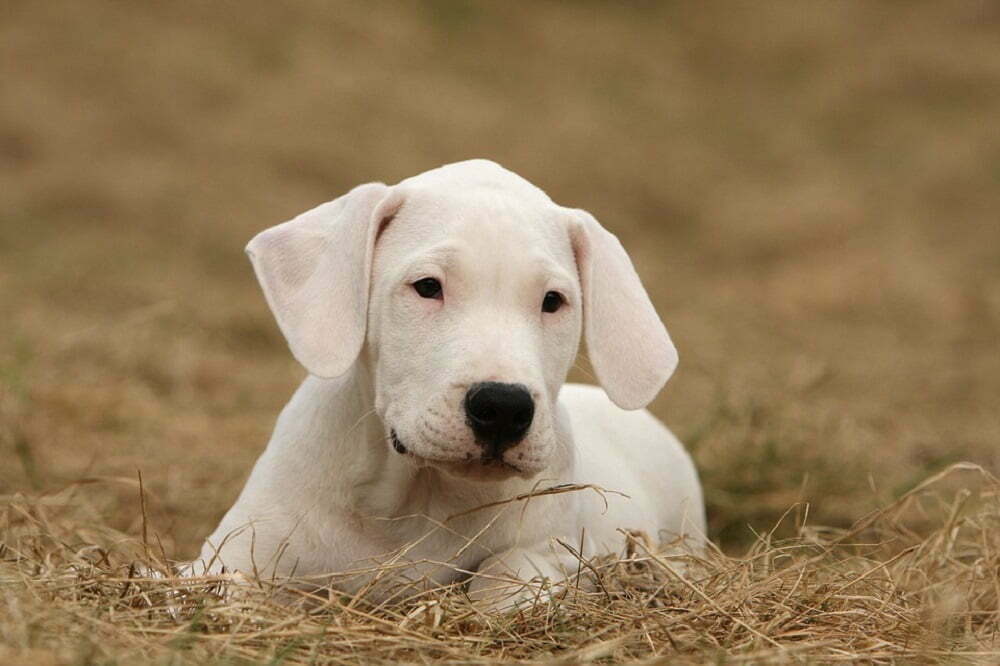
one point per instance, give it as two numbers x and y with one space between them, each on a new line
810 191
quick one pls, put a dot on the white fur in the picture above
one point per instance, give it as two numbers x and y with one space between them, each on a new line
330 498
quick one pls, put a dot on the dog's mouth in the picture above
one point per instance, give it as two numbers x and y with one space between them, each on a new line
479 467
396 444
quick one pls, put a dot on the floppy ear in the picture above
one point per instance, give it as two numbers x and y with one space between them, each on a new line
628 345
315 272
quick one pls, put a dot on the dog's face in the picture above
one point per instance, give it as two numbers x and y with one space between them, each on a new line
474 321
465 289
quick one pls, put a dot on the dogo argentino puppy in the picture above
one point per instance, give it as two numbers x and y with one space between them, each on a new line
438 319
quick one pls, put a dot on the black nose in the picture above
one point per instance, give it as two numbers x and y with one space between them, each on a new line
499 414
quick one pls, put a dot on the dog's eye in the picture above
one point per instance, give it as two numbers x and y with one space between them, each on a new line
428 288
553 301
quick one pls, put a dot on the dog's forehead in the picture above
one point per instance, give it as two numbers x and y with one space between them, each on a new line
492 225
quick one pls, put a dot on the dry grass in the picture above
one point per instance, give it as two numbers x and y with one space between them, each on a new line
882 590
810 191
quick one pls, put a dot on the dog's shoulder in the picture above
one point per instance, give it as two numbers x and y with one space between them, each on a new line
589 407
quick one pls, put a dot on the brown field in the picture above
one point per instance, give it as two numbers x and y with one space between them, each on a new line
811 192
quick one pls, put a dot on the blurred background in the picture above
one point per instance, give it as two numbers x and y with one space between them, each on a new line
811 192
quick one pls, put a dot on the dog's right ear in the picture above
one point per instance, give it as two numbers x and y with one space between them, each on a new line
315 272
628 344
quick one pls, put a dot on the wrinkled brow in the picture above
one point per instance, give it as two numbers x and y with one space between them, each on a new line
550 269
444 255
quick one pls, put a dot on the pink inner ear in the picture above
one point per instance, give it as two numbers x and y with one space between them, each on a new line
628 345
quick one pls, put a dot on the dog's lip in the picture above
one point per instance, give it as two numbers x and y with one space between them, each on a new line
396 443
483 468
469 462
480 467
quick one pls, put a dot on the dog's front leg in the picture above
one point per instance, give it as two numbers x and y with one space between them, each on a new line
525 575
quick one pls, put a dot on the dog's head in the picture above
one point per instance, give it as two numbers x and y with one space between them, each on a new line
466 291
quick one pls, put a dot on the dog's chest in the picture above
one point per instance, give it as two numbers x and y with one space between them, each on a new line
441 539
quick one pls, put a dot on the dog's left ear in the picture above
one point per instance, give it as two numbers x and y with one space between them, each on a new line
315 272
628 345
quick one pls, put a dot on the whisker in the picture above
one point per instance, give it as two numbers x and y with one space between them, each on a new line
358 422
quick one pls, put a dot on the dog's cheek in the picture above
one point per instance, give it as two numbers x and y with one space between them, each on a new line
560 349
394 389
442 426
542 453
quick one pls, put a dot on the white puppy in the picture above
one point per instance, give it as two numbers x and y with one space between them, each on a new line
438 319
